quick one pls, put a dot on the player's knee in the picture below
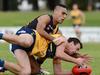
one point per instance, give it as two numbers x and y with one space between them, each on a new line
25 40
27 72
27 43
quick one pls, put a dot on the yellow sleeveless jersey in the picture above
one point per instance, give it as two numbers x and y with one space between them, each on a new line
41 45
75 14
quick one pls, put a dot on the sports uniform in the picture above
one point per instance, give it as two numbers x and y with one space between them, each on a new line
38 40
76 18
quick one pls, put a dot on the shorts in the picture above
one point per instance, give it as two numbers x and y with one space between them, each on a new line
51 50
23 30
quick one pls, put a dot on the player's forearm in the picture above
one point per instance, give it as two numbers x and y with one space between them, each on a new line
62 55
83 18
45 35
66 57
57 69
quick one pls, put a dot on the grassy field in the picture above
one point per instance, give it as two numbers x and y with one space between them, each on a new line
22 18
90 48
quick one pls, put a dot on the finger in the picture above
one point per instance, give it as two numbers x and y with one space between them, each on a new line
88 58
85 55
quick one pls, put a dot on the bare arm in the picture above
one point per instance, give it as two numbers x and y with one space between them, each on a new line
82 17
62 55
57 66
42 21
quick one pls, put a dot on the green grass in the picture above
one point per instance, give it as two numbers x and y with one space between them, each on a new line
22 18
90 48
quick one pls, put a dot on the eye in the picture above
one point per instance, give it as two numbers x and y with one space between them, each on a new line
64 13
77 49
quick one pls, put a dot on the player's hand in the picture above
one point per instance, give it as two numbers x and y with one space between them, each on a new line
87 57
59 40
81 61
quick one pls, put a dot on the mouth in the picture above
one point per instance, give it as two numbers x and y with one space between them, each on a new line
61 20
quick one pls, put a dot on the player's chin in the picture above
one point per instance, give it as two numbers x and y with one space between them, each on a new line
60 21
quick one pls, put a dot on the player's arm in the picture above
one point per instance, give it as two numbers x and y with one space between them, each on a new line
82 17
64 56
57 66
42 21
69 15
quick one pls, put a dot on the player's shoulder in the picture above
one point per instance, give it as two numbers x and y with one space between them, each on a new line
80 11
45 17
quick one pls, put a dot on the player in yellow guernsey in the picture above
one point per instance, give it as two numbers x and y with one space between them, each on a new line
41 44
28 42
78 19
23 40
43 48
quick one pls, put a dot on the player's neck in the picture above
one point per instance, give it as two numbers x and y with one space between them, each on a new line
54 20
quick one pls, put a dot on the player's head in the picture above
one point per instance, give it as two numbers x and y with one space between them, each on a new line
73 46
85 70
60 13
75 6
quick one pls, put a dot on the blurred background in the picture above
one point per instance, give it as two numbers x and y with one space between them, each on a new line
20 12
17 13
9 5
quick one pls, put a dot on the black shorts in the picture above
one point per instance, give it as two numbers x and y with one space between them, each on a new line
24 30
51 50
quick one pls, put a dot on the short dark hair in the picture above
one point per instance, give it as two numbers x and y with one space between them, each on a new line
76 41
61 5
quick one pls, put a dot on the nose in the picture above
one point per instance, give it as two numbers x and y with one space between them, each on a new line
73 51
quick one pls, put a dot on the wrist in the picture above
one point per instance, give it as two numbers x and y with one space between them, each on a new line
76 61
1 35
55 41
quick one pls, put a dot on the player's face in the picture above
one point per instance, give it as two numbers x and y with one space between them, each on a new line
71 48
61 14
75 6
